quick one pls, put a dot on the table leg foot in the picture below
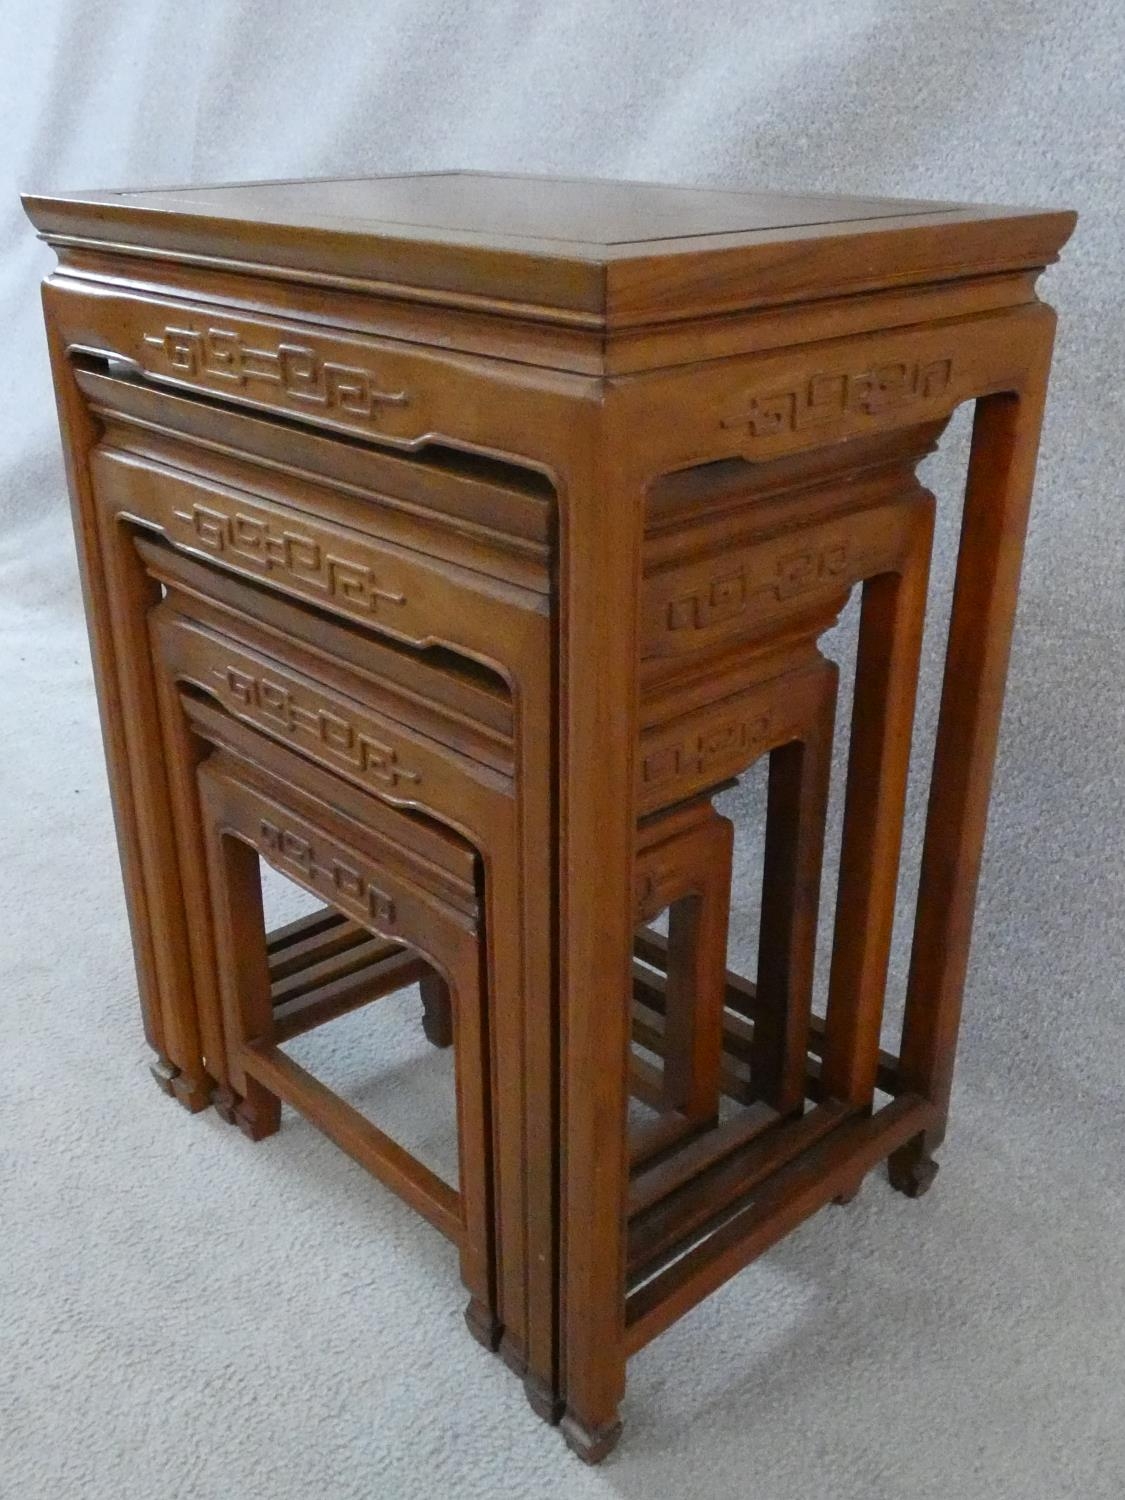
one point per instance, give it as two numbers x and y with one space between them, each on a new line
541 1396
225 1102
912 1169
164 1073
193 1093
483 1325
257 1120
591 1444
437 1011
543 1399
512 1352
849 1194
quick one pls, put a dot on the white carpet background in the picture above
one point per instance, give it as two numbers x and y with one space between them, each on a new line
183 1314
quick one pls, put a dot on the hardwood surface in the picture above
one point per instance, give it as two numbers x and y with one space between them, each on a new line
510 512
581 253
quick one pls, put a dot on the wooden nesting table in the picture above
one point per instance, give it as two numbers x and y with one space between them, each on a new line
448 541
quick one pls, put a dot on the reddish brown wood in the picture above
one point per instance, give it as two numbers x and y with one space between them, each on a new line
335 997
424 1190
437 1013
799 1187
798 798
684 864
702 1151
738 1024
467 756
997 500
890 642
261 801
519 507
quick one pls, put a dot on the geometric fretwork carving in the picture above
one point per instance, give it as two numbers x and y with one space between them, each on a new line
326 869
827 398
252 537
277 702
297 374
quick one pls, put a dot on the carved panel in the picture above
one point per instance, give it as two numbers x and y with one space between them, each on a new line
753 586
798 572
723 739
735 737
294 375
662 879
729 595
332 833
241 531
828 397
261 697
322 560
675 868
325 867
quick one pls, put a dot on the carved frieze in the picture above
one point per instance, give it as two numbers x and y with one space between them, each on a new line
828 398
734 738
290 374
264 699
326 868
730 593
244 534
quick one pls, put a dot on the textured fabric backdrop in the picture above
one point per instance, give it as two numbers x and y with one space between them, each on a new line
185 1315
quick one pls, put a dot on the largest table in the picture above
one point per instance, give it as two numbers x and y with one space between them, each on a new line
622 342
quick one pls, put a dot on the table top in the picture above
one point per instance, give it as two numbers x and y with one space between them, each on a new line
584 251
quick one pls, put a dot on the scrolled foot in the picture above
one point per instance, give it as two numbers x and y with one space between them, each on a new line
484 1326
542 1397
912 1170
591 1444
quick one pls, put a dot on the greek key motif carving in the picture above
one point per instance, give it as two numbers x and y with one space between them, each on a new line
800 571
731 594
276 703
296 372
251 537
723 599
704 750
827 398
328 871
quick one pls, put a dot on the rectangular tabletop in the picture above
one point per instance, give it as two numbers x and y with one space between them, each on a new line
607 254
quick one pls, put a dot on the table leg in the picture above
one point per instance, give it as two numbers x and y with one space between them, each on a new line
890 641
437 1010
998 495
80 434
795 815
240 942
601 527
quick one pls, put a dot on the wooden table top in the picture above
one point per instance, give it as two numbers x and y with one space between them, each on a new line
595 253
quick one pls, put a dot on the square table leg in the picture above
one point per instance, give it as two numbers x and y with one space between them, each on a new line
997 500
